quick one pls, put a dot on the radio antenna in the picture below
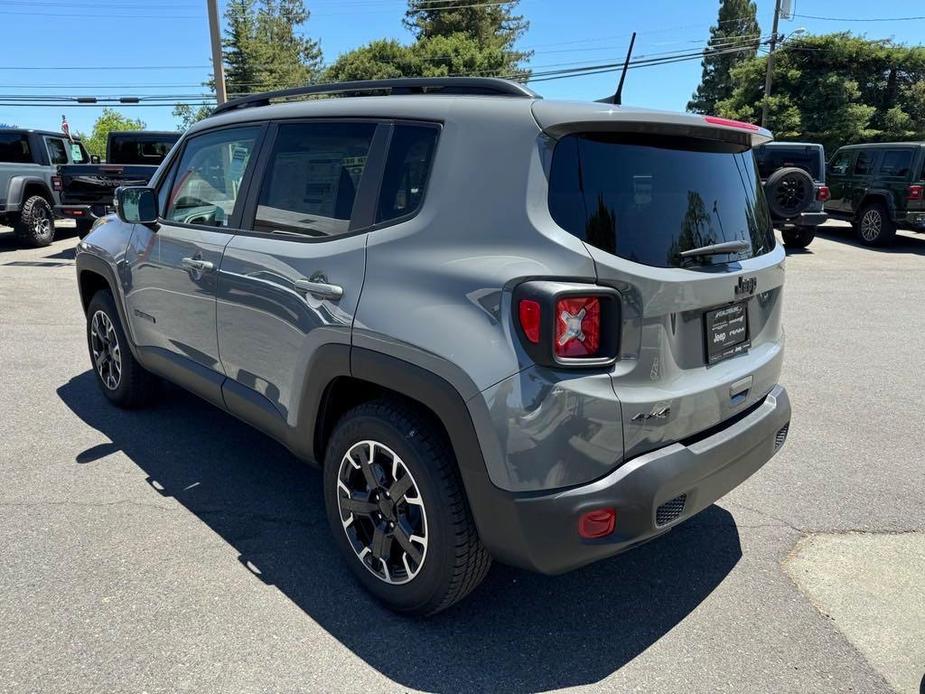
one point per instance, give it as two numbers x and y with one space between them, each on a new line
617 98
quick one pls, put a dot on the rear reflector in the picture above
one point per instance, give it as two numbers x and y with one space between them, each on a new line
822 193
529 313
716 120
578 327
915 192
598 523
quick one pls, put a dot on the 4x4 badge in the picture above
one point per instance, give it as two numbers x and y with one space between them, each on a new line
746 286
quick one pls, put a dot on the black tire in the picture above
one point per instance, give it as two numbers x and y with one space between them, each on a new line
798 238
454 560
789 192
83 227
873 225
133 387
36 224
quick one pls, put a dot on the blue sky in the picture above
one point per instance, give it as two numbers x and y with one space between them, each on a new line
172 35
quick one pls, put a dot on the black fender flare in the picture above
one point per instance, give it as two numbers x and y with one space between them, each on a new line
18 185
878 195
87 262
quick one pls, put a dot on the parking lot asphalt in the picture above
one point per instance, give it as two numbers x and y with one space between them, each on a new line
176 549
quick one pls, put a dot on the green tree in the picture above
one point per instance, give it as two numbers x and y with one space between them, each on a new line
835 89
109 121
186 115
736 28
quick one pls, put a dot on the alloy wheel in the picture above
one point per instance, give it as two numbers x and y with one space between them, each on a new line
871 225
107 355
791 194
382 512
41 221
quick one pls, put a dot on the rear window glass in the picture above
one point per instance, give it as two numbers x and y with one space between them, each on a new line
134 150
896 162
864 162
56 151
648 199
410 153
14 148
770 159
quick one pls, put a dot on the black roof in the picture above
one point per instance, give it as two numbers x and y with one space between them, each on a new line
37 132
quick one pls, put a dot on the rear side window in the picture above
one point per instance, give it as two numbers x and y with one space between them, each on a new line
312 178
57 153
772 158
14 148
208 178
647 199
406 170
896 162
125 149
864 163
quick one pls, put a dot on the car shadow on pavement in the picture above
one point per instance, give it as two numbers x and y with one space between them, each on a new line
908 243
517 632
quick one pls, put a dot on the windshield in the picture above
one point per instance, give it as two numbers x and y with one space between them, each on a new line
648 198
135 149
772 158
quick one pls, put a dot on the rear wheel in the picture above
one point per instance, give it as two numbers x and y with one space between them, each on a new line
798 238
121 378
397 509
36 225
874 226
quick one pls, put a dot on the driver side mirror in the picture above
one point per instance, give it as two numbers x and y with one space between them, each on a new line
94 159
136 204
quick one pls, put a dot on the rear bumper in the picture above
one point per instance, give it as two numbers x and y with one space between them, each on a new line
913 220
682 479
806 219
91 212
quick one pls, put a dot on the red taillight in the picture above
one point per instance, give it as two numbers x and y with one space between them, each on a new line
822 193
716 120
56 183
915 192
598 523
578 327
530 315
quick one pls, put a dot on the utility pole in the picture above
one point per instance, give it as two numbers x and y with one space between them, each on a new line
767 77
218 68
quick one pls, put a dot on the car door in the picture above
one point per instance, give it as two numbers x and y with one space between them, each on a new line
838 174
894 173
291 281
173 265
862 177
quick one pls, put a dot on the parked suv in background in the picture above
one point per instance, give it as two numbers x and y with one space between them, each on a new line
536 331
879 188
28 161
794 183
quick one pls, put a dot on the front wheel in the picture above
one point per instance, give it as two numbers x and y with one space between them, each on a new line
798 238
397 509
121 378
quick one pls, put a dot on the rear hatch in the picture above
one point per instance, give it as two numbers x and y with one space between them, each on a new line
700 334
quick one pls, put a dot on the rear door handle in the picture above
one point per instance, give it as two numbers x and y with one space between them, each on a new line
320 290
197 264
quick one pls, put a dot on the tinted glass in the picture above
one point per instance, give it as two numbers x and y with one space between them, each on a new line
840 163
208 179
406 170
312 178
864 163
56 151
14 147
770 159
649 199
78 153
125 149
896 162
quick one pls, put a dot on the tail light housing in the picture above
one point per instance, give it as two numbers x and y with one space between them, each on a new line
915 192
568 324
822 193
56 183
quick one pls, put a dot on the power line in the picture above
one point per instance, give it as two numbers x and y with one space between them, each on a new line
860 19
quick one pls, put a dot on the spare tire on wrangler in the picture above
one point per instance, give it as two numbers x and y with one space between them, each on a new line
789 192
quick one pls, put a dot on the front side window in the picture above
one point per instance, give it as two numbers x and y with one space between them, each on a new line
864 164
840 163
56 150
208 179
896 162
648 199
312 178
406 170
14 148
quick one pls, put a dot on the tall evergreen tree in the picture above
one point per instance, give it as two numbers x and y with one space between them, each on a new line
736 27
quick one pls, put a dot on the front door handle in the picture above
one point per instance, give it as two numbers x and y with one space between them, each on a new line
320 290
197 264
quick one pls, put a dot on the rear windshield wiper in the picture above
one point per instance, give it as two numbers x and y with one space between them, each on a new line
717 248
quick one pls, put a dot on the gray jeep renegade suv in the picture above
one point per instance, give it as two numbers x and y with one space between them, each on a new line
535 331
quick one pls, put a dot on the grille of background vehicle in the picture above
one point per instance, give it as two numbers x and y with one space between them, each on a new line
781 436
670 510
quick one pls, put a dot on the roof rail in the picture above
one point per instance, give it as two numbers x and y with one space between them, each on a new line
404 85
